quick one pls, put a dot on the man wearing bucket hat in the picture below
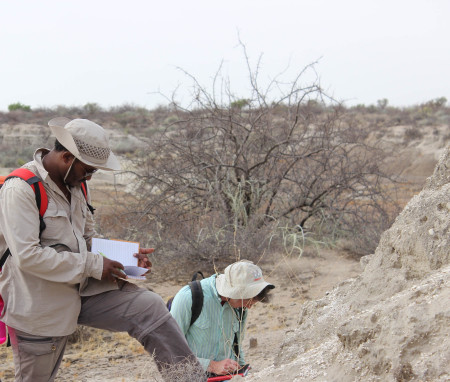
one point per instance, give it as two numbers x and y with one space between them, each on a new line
216 335
52 282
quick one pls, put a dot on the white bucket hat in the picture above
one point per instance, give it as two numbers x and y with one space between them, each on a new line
86 140
241 280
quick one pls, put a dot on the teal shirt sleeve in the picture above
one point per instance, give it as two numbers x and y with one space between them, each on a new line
181 311
181 308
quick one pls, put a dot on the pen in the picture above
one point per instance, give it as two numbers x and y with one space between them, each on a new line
121 270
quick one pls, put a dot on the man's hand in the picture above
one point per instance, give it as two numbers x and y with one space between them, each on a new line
227 366
143 260
112 270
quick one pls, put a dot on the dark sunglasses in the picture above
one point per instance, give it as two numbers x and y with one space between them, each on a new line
88 172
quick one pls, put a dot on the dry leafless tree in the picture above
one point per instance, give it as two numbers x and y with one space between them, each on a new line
284 155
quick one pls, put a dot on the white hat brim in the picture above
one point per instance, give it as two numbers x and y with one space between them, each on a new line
239 293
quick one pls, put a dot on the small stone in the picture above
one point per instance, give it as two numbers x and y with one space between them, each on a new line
431 232
253 342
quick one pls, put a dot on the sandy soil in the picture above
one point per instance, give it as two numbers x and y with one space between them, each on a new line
116 357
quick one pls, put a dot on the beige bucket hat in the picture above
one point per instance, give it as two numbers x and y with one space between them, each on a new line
241 280
86 140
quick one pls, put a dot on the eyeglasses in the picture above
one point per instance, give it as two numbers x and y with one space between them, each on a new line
88 172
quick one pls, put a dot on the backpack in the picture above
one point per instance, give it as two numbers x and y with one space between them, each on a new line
41 199
197 297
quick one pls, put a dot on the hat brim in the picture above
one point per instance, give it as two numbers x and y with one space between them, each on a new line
240 293
65 138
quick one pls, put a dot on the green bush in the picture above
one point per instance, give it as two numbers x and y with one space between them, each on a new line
240 103
18 106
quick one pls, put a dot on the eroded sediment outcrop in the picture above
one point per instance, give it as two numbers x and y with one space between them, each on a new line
391 323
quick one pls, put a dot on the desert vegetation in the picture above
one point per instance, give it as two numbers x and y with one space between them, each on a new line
284 168
232 176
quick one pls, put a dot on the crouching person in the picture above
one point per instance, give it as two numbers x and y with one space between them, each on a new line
216 335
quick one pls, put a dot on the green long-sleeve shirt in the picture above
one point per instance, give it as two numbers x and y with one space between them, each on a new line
212 335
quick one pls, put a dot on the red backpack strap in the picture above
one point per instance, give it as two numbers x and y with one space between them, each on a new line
84 190
41 200
35 183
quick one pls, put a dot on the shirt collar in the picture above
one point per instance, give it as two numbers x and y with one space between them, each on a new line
38 155
42 172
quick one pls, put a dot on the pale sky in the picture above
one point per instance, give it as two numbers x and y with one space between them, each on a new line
55 52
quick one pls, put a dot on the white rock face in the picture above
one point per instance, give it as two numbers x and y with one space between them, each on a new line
392 323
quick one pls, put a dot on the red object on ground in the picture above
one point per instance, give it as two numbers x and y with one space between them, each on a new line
2 325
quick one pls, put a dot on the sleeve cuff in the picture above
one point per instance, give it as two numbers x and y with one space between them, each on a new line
94 265
204 362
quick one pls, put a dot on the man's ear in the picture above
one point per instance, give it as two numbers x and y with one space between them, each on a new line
67 156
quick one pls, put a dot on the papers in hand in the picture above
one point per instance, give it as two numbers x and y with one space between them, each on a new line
121 251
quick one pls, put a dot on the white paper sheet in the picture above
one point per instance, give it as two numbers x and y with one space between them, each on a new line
121 251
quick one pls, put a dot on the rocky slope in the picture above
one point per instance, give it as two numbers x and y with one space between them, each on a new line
391 323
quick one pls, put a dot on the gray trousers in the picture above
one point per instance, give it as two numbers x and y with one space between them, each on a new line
131 309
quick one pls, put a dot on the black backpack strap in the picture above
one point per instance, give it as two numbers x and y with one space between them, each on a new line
197 300
236 345
4 257
194 276
240 315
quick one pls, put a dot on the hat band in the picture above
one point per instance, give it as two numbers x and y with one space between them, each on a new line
96 152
